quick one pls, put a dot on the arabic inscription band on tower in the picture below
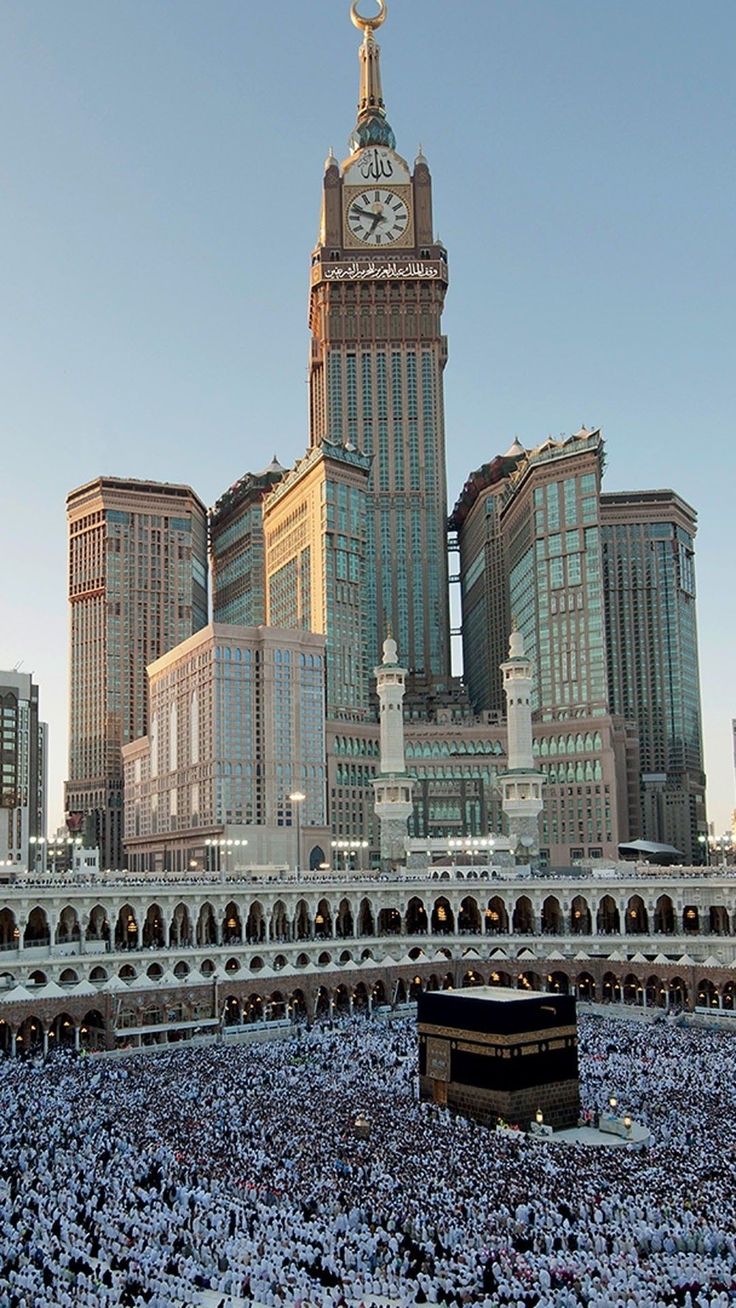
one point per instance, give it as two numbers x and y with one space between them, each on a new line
378 283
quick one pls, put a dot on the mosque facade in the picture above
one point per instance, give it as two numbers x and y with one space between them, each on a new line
128 962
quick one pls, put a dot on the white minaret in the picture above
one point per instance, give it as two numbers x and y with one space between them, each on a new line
392 787
522 783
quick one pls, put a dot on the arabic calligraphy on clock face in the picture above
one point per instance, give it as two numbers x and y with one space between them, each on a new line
377 216
376 165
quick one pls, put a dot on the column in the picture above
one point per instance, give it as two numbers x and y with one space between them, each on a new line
53 921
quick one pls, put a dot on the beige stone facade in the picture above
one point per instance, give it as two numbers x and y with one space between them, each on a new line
142 962
236 728
591 767
137 585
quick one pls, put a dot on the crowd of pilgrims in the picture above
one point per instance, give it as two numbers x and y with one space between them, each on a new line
229 1176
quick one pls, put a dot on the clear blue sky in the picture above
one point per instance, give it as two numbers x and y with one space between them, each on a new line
160 171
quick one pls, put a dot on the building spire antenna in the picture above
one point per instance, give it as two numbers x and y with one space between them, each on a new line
372 127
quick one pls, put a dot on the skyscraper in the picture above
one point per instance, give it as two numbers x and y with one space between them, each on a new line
528 524
237 549
314 524
378 284
652 641
486 616
551 522
23 761
137 579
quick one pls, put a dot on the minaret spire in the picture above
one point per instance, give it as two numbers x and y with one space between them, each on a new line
372 127
521 784
392 787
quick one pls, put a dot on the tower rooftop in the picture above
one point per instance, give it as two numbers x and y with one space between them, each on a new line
372 126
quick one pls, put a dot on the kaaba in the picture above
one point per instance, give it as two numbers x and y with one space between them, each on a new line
489 1053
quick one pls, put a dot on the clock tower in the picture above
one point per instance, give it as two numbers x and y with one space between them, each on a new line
378 283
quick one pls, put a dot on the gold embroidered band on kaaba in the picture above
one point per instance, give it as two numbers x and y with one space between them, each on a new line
462 1034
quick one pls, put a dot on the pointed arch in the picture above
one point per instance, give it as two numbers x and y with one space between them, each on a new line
581 923
37 929
523 917
443 918
608 918
255 924
126 928
468 918
552 918
497 918
232 925
637 918
154 930
180 931
68 929
415 919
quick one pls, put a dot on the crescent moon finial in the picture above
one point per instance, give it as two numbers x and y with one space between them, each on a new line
367 25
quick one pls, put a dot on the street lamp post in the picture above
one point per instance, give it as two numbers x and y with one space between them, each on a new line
217 860
38 844
348 848
296 799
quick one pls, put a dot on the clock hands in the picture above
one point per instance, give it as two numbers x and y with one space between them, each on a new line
367 213
384 213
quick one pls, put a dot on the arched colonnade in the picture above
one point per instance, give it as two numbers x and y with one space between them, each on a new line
144 923
29 1030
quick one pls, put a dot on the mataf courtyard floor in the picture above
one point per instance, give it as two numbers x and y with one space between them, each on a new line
225 1175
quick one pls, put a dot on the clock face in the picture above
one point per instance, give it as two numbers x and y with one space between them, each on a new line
377 216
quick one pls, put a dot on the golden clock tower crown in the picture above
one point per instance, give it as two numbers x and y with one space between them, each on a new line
378 283
372 201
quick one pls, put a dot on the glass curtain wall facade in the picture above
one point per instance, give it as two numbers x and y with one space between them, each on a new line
653 676
486 614
315 529
237 550
551 523
388 403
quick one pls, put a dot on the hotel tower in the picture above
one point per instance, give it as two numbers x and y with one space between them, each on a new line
378 283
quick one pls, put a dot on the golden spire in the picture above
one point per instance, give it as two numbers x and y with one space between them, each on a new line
367 25
371 127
